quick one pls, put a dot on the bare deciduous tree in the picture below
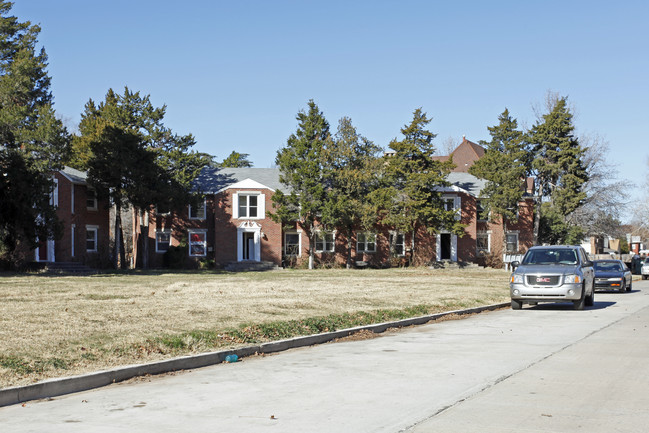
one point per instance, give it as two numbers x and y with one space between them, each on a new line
606 199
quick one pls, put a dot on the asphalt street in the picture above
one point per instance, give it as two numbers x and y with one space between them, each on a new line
541 369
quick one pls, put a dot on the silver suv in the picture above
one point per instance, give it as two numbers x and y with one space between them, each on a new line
553 274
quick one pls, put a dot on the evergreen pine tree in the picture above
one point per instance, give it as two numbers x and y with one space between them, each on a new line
410 197
132 158
560 173
302 171
354 164
33 141
504 166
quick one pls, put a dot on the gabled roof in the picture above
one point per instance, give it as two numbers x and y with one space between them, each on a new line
74 175
464 155
213 180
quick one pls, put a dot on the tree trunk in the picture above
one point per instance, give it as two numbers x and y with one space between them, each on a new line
144 234
537 219
118 241
411 260
311 249
122 250
349 249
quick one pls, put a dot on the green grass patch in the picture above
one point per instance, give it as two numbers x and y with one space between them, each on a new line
256 333
39 365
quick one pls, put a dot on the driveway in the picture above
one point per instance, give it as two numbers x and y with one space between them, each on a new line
546 368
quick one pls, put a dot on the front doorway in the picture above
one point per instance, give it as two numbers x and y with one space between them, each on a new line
446 248
248 246
45 251
249 242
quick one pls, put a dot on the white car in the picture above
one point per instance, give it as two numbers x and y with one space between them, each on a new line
645 269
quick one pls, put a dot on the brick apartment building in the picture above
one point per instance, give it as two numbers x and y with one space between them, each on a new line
231 225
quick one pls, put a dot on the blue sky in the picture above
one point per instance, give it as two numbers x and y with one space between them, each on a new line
235 73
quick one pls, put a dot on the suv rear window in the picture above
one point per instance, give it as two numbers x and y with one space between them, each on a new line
548 256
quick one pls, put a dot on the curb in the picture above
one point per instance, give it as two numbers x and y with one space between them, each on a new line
72 384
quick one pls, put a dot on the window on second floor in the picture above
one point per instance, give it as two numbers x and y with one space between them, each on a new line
91 199
197 212
481 213
248 205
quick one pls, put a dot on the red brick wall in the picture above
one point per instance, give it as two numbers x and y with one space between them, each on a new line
80 218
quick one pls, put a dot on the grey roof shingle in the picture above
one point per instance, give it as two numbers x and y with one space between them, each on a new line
468 182
212 180
75 176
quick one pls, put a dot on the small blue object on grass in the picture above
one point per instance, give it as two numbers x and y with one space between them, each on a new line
231 358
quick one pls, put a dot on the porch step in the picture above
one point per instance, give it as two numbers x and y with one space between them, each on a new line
69 268
251 266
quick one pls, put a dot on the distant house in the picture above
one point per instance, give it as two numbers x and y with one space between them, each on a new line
85 221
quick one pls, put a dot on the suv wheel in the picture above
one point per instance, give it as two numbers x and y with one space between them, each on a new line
517 305
579 304
589 300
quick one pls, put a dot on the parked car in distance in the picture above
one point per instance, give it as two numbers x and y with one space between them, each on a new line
645 269
553 274
612 275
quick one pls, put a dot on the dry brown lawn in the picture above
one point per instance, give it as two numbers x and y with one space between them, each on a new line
65 325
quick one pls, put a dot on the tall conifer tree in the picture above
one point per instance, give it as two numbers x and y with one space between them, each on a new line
303 172
504 166
560 174
33 141
411 195
354 165
132 158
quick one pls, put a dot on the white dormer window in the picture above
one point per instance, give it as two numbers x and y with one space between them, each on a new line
248 205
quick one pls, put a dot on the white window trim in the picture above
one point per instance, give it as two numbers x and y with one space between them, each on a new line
488 233
54 195
201 218
333 241
95 229
365 250
484 218
457 204
403 249
261 205
299 243
158 250
189 236
512 232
